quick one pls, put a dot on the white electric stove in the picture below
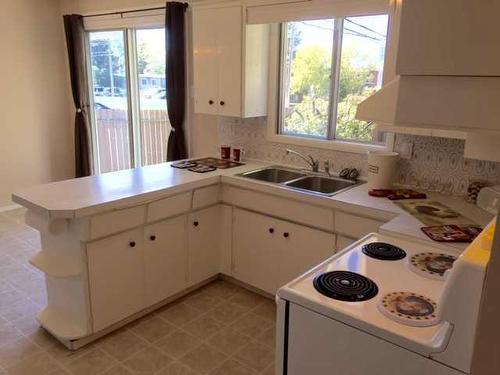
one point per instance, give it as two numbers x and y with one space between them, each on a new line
382 306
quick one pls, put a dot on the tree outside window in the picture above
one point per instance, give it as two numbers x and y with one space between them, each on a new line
328 68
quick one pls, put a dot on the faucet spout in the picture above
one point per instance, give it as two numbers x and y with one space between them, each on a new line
314 164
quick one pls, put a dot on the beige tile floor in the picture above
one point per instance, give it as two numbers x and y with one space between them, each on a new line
220 329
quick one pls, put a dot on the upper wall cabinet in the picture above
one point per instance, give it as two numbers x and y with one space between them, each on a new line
449 37
230 63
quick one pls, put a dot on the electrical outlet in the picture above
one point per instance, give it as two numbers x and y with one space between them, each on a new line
405 150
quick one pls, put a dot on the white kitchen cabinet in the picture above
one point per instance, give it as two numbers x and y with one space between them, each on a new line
449 37
205 65
354 226
116 274
255 250
320 217
343 242
203 244
230 63
165 259
302 248
268 252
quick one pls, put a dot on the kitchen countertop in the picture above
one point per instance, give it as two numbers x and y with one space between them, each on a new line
91 195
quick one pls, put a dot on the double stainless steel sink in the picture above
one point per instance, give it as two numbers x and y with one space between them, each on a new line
299 180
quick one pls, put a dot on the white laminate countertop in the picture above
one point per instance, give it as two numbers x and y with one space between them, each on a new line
91 195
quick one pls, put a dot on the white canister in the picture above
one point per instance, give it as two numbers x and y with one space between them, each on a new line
381 169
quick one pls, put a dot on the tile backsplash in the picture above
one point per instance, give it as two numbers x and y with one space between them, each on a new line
436 163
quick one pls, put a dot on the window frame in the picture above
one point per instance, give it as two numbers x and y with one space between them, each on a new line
274 122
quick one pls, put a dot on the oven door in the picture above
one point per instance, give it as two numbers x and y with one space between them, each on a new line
315 344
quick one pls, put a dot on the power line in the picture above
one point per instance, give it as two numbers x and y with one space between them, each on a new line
316 26
365 27
360 34
352 32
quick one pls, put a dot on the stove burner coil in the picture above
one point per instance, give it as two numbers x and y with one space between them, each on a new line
345 286
383 251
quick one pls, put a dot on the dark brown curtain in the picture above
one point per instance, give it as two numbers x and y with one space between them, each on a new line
176 78
75 42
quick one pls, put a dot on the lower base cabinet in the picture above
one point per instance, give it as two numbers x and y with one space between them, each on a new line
131 271
165 259
116 274
343 242
268 252
204 244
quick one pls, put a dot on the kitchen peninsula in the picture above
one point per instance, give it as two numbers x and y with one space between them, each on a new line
119 245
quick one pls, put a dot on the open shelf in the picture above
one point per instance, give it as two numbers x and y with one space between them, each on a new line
59 326
59 267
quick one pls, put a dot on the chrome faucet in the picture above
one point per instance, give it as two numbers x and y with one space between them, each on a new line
314 164
326 165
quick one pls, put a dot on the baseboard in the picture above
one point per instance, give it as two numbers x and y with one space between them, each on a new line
78 343
244 285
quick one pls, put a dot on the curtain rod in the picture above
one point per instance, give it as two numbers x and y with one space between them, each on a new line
127 11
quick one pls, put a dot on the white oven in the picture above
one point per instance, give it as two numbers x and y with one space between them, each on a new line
409 309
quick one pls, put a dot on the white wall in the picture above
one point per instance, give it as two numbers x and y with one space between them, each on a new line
36 143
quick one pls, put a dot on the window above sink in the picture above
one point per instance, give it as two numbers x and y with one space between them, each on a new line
321 68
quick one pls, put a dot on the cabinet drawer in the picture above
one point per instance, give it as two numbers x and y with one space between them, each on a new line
206 196
355 226
284 208
116 221
167 207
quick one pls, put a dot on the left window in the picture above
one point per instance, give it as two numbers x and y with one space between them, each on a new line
130 125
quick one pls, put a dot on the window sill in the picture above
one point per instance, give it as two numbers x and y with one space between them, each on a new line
358 148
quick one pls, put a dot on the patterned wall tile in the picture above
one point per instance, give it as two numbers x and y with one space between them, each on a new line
436 164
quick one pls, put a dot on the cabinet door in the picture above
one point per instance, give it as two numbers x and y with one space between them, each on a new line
342 242
203 240
301 248
116 277
268 253
229 55
205 65
165 259
256 259
449 37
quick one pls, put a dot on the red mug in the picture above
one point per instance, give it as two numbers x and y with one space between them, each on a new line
237 154
225 152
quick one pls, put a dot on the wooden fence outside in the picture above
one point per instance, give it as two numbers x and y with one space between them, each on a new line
114 138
